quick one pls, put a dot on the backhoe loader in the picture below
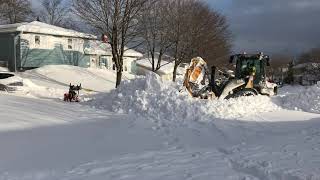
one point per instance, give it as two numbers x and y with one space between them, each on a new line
249 78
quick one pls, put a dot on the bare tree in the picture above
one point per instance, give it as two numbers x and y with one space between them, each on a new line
115 18
197 30
181 11
54 12
14 11
210 35
155 31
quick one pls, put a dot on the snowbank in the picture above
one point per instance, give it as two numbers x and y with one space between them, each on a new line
11 80
302 98
4 69
151 98
52 81
33 90
93 79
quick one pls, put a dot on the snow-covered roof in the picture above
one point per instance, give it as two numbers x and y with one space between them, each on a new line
43 28
307 65
166 67
100 48
132 53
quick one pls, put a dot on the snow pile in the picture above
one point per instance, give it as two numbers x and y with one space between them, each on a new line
60 76
151 98
303 99
52 81
93 79
33 90
4 69
11 80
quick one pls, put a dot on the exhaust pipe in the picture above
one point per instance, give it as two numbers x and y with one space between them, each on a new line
213 84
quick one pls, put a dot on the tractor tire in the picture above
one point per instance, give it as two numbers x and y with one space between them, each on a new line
243 92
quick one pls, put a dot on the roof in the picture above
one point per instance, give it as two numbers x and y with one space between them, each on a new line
98 48
167 67
101 48
132 53
43 28
307 65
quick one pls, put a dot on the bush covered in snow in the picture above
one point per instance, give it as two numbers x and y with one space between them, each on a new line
150 97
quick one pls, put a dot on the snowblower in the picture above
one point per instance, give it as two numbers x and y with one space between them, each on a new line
249 78
73 94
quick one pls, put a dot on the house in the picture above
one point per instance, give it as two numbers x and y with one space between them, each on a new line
101 56
278 75
30 45
35 44
306 74
143 65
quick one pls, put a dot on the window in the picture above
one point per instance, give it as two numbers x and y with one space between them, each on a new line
37 40
103 62
69 43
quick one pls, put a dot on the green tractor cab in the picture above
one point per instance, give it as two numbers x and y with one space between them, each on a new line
246 64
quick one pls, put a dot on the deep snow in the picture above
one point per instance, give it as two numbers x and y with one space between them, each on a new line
148 130
302 99
161 100
52 81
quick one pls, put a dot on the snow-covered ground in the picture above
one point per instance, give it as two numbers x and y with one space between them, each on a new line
52 81
57 78
146 129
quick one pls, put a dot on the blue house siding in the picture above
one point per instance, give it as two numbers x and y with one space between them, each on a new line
34 44
32 58
41 57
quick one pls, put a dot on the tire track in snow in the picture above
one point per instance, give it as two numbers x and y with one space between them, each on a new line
172 164
248 163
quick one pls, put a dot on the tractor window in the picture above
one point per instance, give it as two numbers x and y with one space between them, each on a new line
245 66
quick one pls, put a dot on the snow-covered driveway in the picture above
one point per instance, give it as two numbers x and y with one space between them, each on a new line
43 139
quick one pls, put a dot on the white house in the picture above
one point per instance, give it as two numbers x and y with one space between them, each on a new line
35 44
143 65
306 74
101 56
